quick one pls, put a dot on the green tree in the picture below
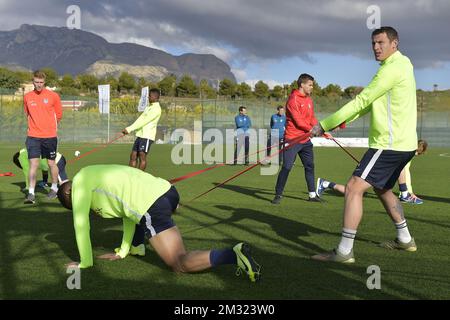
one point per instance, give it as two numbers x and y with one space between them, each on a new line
113 83
352 91
141 83
51 77
294 85
243 90
277 92
88 82
186 87
24 76
261 90
167 85
67 81
227 88
332 91
206 91
286 91
9 80
317 90
68 91
126 82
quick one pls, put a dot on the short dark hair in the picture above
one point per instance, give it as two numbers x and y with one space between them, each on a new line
65 194
280 107
155 90
242 108
16 160
304 77
391 33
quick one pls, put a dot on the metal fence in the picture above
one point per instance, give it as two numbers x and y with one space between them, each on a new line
88 125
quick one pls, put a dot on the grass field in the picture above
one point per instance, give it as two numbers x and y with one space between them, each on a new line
36 241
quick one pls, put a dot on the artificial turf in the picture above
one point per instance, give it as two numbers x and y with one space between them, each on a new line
36 241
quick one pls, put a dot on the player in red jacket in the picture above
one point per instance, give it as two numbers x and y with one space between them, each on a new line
299 120
43 111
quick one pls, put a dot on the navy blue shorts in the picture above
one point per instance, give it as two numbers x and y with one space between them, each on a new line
381 168
44 148
62 176
159 216
142 145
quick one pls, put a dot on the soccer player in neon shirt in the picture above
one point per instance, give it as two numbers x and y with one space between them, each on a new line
390 98
145 127
138 198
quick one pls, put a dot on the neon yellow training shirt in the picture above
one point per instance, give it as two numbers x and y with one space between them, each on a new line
25 163
391 99
145 126
112 191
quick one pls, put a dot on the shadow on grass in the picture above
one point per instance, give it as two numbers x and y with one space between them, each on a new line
435 199
257 193
293 232
285 275
21 186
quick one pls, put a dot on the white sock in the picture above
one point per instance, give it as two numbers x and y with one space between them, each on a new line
31 190
403 232
312 194
404 194
347 239
55 187
325 183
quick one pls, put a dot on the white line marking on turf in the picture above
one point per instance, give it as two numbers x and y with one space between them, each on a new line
447 155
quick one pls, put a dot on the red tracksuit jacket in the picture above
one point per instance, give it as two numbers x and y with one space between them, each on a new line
300 116
44 111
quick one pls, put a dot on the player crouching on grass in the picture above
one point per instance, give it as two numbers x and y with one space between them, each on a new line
20 159
145 203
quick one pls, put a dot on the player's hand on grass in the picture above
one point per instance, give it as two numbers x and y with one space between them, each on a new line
110 256
317 131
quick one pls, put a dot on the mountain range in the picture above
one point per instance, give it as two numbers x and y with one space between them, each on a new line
73 51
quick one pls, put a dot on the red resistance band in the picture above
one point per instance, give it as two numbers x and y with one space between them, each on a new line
94 150
7 174
291 144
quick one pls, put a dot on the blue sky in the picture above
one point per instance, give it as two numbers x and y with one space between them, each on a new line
263 39
344 70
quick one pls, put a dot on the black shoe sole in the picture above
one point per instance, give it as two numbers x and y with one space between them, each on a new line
248 254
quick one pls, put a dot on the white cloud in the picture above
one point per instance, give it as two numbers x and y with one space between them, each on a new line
240 74
253 30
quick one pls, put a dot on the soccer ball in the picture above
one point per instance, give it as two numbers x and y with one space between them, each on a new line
77 153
